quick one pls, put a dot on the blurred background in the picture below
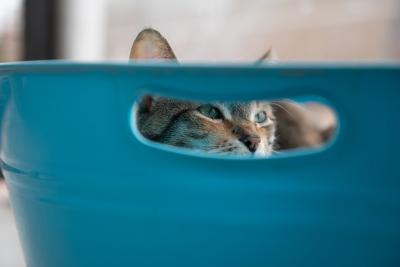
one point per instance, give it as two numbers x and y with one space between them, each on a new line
198 30
206 30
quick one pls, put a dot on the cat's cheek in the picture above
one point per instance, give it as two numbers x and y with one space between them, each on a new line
262 153
262 150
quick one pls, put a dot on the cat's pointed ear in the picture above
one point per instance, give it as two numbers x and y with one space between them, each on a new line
150 44
269 56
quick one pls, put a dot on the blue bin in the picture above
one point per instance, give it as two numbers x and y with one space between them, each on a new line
86 191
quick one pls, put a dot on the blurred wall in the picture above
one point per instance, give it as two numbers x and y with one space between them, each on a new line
11 43
243 30
83 26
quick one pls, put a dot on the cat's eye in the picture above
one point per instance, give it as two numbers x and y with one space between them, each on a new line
210 111
261 117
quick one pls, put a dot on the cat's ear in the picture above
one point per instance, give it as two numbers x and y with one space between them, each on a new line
269 56
150 44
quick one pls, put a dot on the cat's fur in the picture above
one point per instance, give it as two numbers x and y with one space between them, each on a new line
303 125
180 123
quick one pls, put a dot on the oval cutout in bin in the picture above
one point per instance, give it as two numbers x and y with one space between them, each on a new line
247 129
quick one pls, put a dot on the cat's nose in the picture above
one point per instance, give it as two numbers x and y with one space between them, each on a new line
251 141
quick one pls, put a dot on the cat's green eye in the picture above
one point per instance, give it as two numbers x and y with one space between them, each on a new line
210 111
261 117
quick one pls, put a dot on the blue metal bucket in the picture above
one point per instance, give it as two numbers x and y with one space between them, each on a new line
86 191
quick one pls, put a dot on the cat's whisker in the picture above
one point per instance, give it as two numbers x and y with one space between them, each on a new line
284 109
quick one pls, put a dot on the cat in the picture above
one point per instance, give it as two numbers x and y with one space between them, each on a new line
236 128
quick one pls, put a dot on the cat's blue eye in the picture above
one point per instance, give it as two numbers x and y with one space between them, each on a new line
261 117
210 111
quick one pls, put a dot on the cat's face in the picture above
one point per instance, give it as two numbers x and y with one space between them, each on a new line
232 128
218 127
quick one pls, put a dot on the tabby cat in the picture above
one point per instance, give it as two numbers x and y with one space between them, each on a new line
238 128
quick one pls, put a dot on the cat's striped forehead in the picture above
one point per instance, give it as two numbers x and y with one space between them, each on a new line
243 110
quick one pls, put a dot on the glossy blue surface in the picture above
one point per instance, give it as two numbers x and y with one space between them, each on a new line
87 192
